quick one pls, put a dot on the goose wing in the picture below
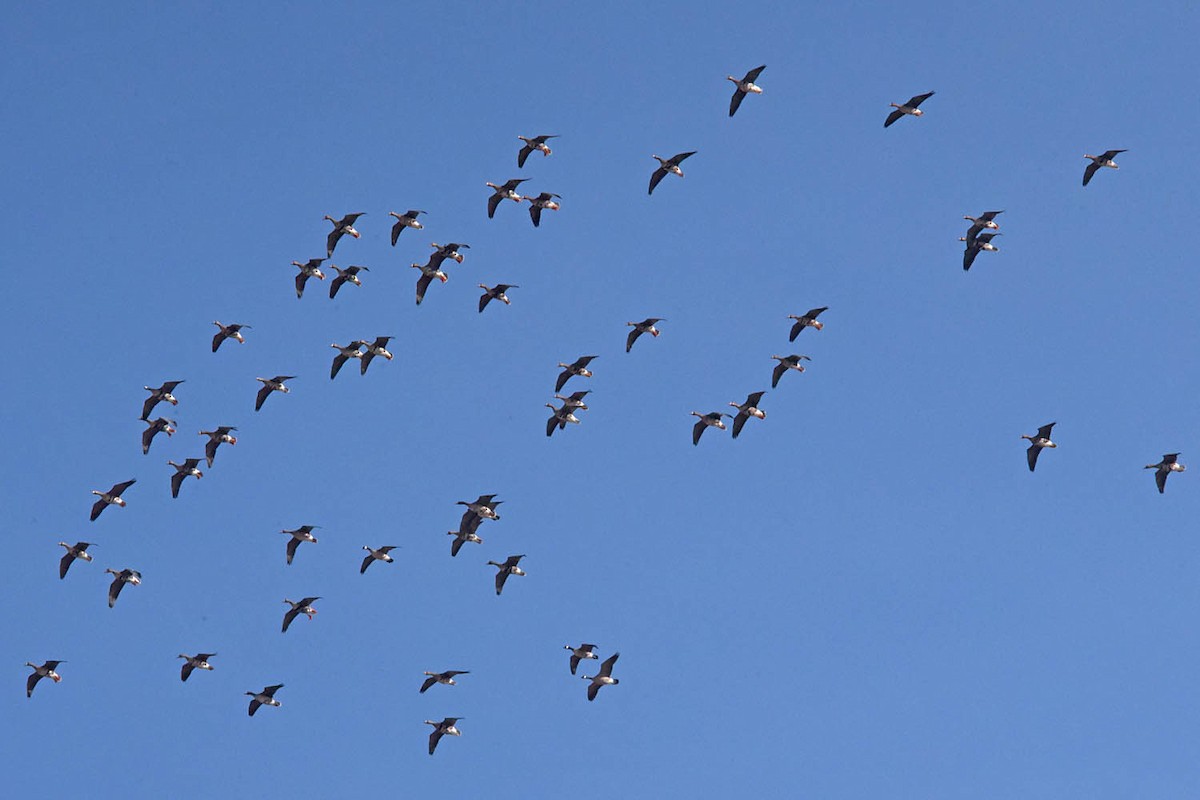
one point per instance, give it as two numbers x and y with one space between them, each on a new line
657 176
753 74
1044 431
332 239
633 337
679 158
574 663
218 337
422 284
1031 455
301 279
397 229
1089 172
1110 154
188 666
1160 478
434 738
148 437
535 214
485 299
337 284
31 682
493 201
114 589
524 154
501 577
430 681
288 617
176 482
292 544
736 100
918 99
738 422
210 450
892 117
969 255
777 373
366 562
698 431
64 564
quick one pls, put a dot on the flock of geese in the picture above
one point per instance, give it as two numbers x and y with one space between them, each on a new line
978 238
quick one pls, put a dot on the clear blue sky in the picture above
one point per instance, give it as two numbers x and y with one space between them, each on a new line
866 595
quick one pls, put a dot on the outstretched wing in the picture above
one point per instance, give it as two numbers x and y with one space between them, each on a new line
493 201
892 117
697 430
524 154
176 482
535 214
422 284
736 100
658 175
633 337
1031 455
1089 172
738 422
777 373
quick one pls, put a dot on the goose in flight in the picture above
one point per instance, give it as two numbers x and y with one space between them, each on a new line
806 320
374 555
406 220
153 428
340 228
666 165
303 607
466 533
1170 463
504 191
743 87
46 670
352 350
74 551
161 394
559 418
574 400
264 698
347 275
509 567
269 385
709 420
907 108
584 650
536 204
302 534
496 292
110 498
232 331
603 677
645 326
1105 159
448 250
189 467
981 242
1038 441
445 678
986 220
120 578
786 363
198 661
216 438
576 367
444 728
372 349
309 269
747 410
428 273
534 143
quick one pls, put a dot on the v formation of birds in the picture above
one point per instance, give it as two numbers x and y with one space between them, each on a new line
978 238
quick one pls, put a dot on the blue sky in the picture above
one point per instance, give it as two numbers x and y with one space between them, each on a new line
866 594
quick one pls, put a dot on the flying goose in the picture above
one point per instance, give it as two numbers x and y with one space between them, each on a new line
264 698
428 273
190 466
560 418
576 367
743 87
710 420
120 578
302 534
577 653
374 555
1105 159
603 677
271 385
110 498
1170 463
406 220
441 729
198 661
309 269
545 200
985 220
666 165
352 350
645 326
907 108
154 427
303 607
504 191
159 395
466 533
791 362
347 275
981 242
448 250
375 348
747 410
215 439
496 292
46 670
806 320
341 227
509 567
534 143
445 678
1037 442
233 331
484 507
575 400
77 550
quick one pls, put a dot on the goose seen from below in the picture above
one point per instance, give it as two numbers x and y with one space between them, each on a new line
465 533
373 349
504 191
910 108
309 269
269 385
155 427
645 326
559 418
120 578
981 242
159 395
744 87
189 467
448 250
198 661
445 678
1039 440
428 273
341 227
406 220
706 421
534 143
303 607
670 165
347 275
264 698
584 650
444 728
233 331
216 438
496 292
603 677
352 350
747 410
574 400
786 363
1170 463
985 221
110 498
74 551
509 567
302 534
46 670
483 508
1105 159
545 200
576 367
374 555
806 320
